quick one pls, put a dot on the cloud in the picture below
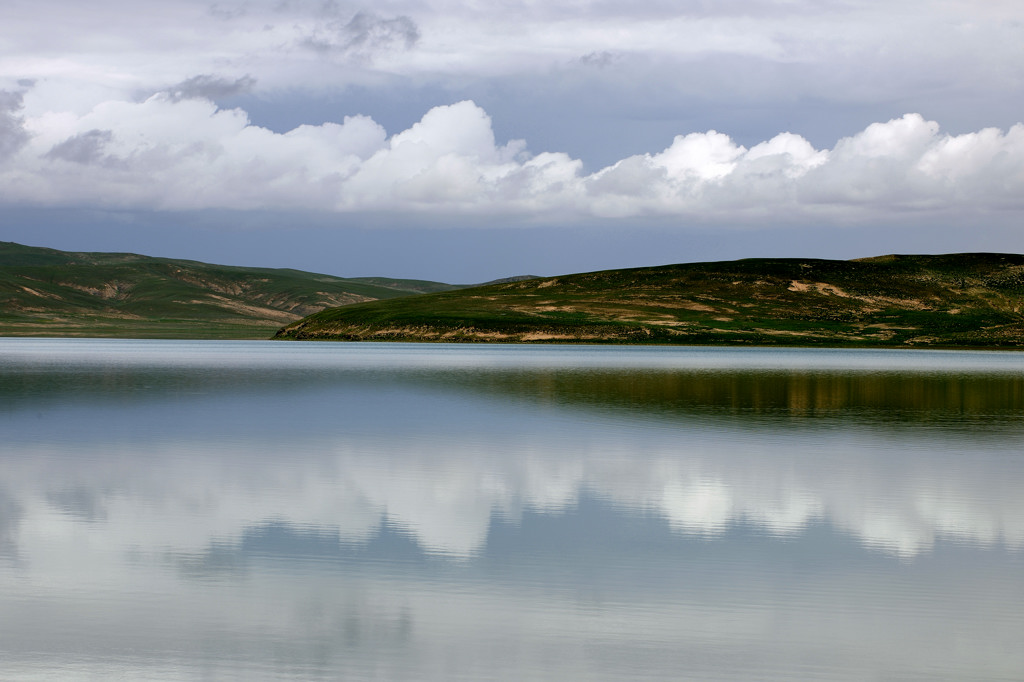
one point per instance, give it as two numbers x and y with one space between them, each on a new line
906 163
12 131
186 154
176 153
206 86
599 59
448 157
364 35
85 148
751 68
227 12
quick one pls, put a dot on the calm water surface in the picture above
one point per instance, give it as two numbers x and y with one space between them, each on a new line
261 510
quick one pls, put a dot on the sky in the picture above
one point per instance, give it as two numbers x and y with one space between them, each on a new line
464 141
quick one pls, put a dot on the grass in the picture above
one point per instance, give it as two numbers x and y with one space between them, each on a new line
960 300
45 292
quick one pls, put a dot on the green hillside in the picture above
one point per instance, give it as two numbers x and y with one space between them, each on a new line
45 292
969 300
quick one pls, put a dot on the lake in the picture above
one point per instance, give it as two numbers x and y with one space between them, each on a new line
273 510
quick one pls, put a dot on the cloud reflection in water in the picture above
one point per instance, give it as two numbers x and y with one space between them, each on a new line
193 457
181 511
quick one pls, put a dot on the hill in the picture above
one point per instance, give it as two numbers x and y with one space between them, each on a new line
58 293
971 300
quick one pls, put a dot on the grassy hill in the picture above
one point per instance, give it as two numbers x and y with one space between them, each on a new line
57 293
972 300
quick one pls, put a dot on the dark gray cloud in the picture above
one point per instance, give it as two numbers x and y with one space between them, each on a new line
12 126
599 59
364 34
85 148
207 86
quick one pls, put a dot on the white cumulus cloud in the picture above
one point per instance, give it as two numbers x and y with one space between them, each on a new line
174 153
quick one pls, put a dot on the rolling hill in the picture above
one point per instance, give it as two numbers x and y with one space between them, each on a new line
957 300
45 292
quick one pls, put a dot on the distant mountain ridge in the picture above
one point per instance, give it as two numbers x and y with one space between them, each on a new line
955 300
60 293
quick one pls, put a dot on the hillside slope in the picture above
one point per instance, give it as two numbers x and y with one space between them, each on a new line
59 293
950 300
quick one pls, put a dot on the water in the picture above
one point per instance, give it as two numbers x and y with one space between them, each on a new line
262 510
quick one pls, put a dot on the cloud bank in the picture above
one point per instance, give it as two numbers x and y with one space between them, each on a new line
177 150
598 90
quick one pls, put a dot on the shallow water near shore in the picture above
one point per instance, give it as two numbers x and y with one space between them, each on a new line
273 510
